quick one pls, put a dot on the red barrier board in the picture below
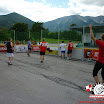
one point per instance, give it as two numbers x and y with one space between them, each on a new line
91 53
95 54
3 49
35 48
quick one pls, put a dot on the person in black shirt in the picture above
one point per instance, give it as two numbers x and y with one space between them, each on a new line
9 51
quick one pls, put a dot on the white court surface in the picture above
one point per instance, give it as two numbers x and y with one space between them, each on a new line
56 81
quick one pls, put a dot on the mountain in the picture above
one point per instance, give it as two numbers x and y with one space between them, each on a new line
64 23
59 24
12 18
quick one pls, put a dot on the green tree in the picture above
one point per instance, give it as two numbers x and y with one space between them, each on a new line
4 35
36 30
72 25
37 27
21 31
20 27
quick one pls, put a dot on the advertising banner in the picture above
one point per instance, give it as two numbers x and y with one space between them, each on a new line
91 53
35 48
21 48
3 49
52 50
95 54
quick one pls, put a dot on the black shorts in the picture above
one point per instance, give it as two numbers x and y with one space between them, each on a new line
42 53
97 67
69 51
29 49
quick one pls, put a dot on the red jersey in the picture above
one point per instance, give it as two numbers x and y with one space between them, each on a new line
101 51
70 46
43 47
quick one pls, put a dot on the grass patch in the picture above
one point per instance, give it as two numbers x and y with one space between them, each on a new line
55 41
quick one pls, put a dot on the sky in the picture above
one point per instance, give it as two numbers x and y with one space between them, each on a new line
47 10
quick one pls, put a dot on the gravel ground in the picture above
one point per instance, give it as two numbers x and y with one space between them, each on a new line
56 81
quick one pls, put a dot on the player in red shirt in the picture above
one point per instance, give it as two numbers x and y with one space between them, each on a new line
70 47
100 61
43 47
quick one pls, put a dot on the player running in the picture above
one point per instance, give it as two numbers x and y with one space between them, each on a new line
100 61
43 47
70 47
29 47
10 51
62 46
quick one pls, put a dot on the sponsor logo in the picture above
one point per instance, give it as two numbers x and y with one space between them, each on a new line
97 91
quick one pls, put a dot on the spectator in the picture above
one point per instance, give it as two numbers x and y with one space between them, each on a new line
79 45
24 42
70 47
33 42
47 43
62 46
5 42
38 43
17 43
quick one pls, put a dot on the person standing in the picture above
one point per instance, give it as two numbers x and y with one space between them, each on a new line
70 47
43 47
38 43
100 60
79 45
10 51
33 42
47 43
29 47
24 42
62 47
17 43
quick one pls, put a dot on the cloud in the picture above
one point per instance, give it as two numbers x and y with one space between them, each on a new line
91 7
4 11
43 11
92 2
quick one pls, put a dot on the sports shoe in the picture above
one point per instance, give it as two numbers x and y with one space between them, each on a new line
67 58
41 61
8 63
11 64
28 55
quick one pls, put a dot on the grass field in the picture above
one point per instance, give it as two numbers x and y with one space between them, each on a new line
50 41
55 41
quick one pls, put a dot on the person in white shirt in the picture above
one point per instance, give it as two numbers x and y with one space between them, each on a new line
62 46
38 43
47 43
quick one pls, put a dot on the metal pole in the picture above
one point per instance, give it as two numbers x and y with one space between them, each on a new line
29 34
41 34
58 37
14 41
58 42
83 43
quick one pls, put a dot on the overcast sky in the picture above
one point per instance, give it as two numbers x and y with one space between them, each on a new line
47 10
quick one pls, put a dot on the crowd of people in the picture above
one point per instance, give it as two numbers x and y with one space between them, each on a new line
43 46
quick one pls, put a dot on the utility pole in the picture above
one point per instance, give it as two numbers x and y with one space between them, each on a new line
83 43
41 34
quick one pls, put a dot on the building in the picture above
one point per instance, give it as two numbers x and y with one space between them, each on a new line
97 30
